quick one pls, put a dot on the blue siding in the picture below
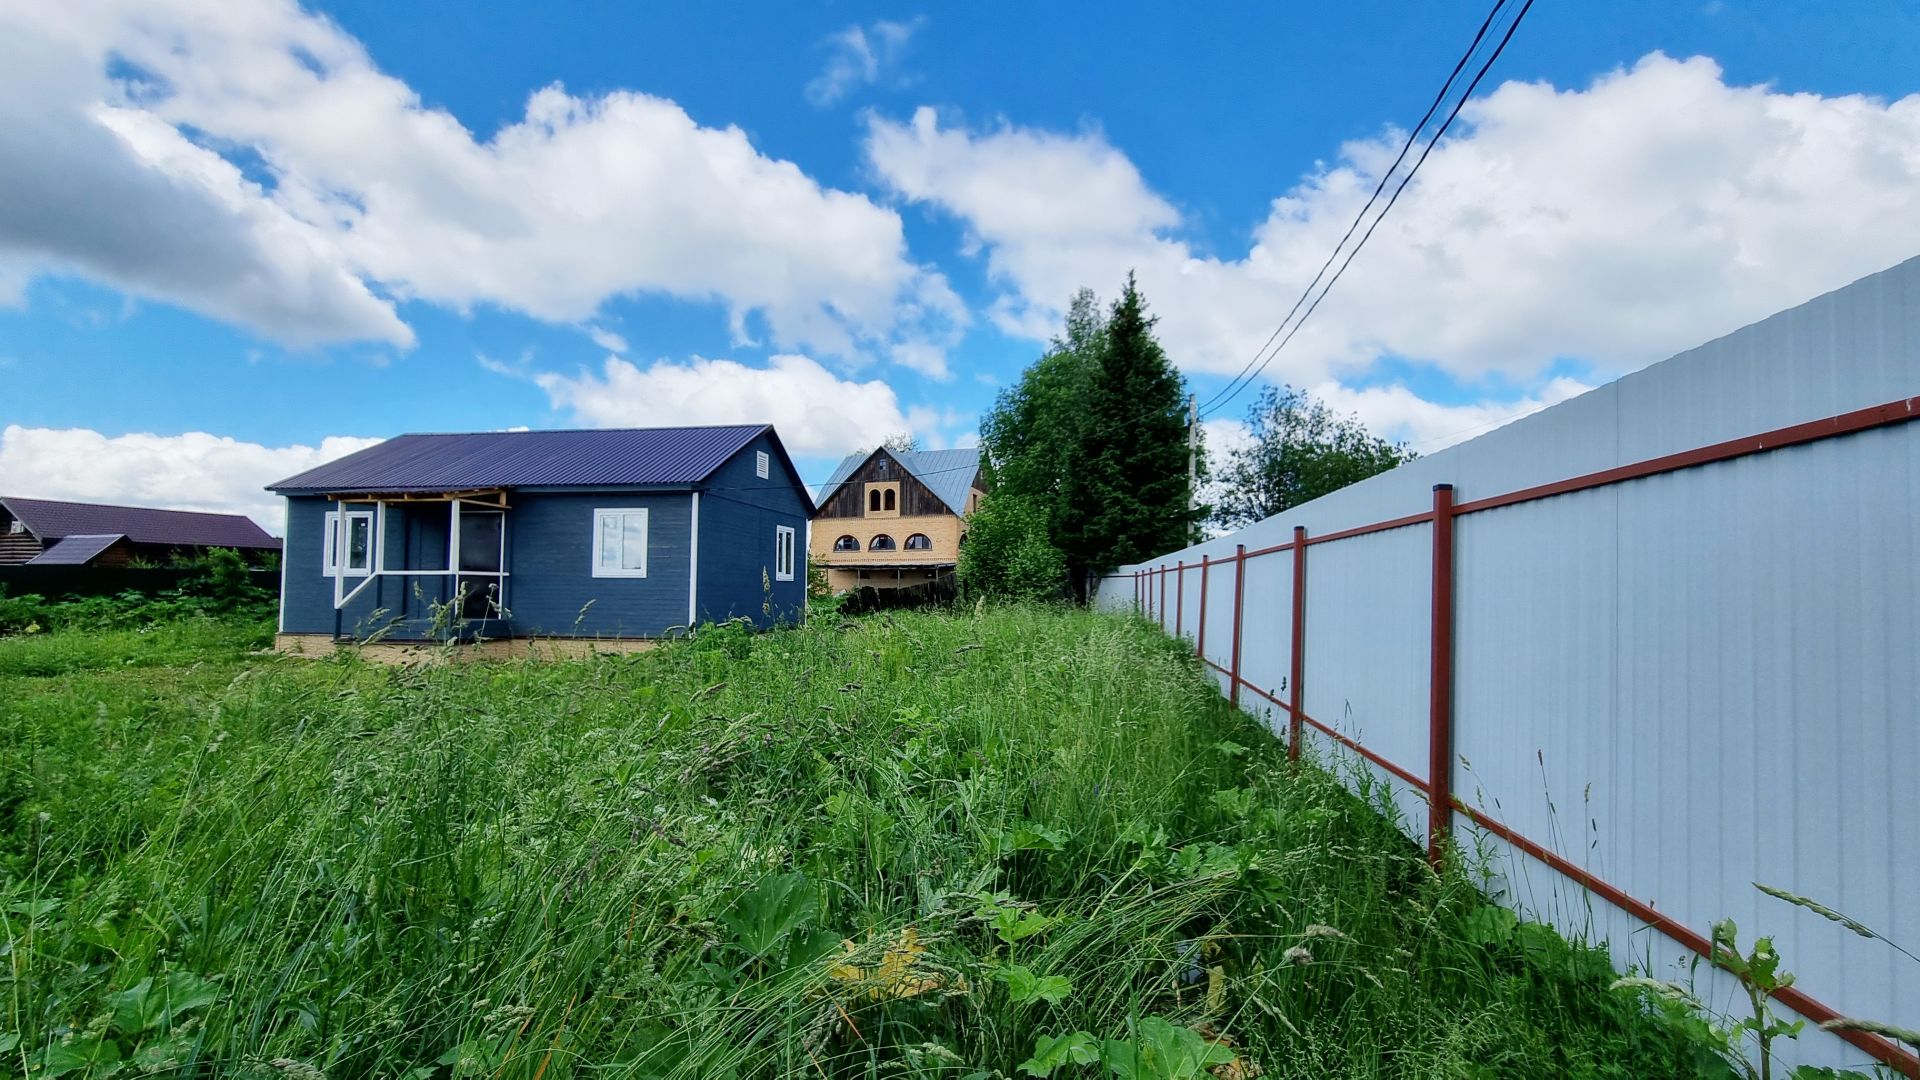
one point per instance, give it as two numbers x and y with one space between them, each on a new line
551 590
550 560
738 513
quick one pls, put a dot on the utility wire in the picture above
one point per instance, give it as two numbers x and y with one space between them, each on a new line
1220 401
1386 176
1257 365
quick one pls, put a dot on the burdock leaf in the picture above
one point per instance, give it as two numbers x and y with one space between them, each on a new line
1052 1051
764 915
1024 987
150 1005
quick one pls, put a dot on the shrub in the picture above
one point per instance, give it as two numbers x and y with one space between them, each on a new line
1007 555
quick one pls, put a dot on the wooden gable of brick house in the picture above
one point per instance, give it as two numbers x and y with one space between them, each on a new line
894 519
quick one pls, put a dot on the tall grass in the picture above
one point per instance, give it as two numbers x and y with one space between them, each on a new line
914 845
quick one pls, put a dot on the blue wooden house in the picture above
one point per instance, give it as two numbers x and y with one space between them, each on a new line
622 534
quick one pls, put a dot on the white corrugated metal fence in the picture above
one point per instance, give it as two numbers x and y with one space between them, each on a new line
1685 656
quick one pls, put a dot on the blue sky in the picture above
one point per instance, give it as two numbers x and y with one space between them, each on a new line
241 238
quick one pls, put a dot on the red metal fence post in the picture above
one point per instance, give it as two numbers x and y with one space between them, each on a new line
1298 670
1179 598
1440 680
1200 637
1239 599
1160 608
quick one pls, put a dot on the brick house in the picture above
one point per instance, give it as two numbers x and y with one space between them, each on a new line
891 519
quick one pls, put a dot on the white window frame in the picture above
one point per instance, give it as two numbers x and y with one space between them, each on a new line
762 464
600 515
783 552
336 544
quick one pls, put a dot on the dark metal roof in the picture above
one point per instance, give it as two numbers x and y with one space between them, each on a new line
629 457
50 521
76 550
946 473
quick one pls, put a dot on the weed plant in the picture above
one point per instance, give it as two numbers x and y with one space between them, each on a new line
1019 841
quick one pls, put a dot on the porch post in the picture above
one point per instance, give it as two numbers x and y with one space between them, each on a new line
453 553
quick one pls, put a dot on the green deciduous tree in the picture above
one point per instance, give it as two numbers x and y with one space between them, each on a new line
1008 554
1301 450
1031 436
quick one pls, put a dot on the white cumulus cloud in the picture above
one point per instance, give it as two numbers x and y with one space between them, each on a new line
607 339
114 194
1397 413
860 55
124 126
1655 208
190 471
816 412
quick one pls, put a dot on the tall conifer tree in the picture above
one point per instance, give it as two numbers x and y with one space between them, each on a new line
1127 496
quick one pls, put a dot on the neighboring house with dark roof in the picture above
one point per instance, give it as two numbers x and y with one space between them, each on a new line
46 532
894 518
611 534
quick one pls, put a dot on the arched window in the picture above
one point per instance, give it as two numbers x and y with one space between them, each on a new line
846 543
963 539
889 505
873 499
883 542
919 542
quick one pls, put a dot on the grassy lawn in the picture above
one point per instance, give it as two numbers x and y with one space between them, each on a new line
912 845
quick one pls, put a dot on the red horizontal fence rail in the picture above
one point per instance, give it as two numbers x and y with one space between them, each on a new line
1437 784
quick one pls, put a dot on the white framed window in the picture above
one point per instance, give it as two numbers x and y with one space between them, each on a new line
620 542
16 527
349 547
783 553
761 464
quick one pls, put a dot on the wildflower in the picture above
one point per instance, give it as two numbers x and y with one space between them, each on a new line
1298 956
1640 982
1315 930
297 1070
509 1016
1873 1027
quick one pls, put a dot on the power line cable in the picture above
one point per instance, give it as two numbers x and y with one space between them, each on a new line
1254 367
1453 114
1386 176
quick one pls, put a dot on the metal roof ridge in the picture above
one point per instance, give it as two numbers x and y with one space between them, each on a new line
577 430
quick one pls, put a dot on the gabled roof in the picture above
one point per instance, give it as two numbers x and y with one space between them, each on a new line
946 473
608 457
76 550
50 521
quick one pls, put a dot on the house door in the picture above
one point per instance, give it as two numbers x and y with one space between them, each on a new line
482 559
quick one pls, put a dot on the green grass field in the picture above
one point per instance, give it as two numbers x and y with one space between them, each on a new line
912 845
